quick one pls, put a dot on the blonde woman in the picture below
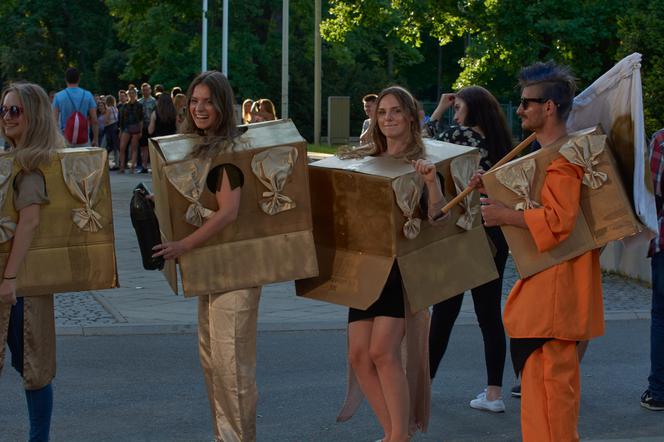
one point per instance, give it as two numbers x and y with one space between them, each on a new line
28 324
375 335
266 107
226 321
246 110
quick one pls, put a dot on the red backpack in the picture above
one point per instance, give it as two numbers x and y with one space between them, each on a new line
76 126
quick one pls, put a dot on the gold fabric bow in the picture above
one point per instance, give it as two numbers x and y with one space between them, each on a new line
7 225
518 178
188 177
584 151
408 191
462 169
83 175
272 167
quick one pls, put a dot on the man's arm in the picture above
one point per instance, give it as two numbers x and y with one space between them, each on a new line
92 115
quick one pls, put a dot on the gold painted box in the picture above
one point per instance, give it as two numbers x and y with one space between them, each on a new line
272 238
367 216
606 211
73 248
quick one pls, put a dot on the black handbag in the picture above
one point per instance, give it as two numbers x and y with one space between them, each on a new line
146 225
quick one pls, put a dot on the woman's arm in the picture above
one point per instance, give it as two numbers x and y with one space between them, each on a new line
446 100
153 122
436 199
28 221
229 204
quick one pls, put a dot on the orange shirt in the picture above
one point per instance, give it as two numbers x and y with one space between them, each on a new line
563 301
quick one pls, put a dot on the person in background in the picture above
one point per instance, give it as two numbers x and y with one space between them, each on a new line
158 89
369 105
131 125
27 324
175 91
246 110
112 131
482 124
149 103
266 109
653 397
180 103
73 99
163 119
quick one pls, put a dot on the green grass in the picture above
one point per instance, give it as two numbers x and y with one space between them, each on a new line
322 148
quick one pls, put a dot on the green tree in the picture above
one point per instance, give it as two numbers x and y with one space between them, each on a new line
44 37
640 30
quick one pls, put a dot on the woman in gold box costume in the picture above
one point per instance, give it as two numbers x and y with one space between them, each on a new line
375 335
226 321
27 324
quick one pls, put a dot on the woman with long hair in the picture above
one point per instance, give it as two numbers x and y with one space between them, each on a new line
163 119
28 324
131 126
482 124
226 321
375 335
246 110
111 130
180 103
266 108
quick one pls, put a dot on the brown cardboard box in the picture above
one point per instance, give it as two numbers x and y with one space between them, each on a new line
258 248
606 212
359 232
64 257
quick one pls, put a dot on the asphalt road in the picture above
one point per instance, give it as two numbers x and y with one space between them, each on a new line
150 388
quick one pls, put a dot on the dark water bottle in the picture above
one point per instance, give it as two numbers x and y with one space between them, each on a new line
146 225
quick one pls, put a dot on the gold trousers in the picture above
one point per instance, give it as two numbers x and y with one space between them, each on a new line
227 349
550 393
38 340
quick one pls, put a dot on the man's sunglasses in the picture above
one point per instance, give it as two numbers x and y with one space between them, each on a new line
526 101
13 111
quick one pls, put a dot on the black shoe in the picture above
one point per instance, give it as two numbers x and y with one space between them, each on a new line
648 402
516 391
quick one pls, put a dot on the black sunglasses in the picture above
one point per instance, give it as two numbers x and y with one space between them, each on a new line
526 101
14 111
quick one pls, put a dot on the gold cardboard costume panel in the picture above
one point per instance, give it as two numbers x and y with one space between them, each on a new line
366 215
73 247
606 212
272 238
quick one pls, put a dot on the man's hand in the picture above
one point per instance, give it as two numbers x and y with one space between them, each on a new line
495 213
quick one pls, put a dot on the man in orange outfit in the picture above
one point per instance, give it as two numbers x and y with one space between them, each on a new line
547 314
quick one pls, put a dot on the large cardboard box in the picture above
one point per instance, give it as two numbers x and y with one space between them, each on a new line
606 212
360 230
73 248
272 238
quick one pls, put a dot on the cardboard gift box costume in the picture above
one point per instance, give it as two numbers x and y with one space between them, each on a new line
366 216
606 211
272 238
73 248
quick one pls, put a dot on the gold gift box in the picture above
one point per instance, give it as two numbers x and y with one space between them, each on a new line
259 247
606 212
359 233
73 247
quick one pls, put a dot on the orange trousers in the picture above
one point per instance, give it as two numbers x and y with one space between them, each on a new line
550 393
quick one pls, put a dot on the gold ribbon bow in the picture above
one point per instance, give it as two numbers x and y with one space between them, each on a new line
82 175
463 168
188 177
584 151
7 225
272 167
408 191
518 177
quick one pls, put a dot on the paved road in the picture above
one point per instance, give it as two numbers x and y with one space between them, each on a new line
128 368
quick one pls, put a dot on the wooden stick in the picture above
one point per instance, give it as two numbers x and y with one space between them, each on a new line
510 155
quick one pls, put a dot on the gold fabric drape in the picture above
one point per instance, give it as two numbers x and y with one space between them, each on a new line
82 175
7 225
584 151
189 178
463 168
408 191
272 167
38 340
519 179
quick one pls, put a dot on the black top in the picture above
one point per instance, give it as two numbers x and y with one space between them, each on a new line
162 128
214 178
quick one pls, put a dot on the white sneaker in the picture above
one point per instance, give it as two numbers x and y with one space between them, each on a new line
481 403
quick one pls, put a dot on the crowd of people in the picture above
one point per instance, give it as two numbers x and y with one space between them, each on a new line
543 346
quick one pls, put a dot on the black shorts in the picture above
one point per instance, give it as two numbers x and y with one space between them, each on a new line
390 303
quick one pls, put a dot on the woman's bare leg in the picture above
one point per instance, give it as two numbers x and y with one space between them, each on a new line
385 352
124 141
359 339
134 151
